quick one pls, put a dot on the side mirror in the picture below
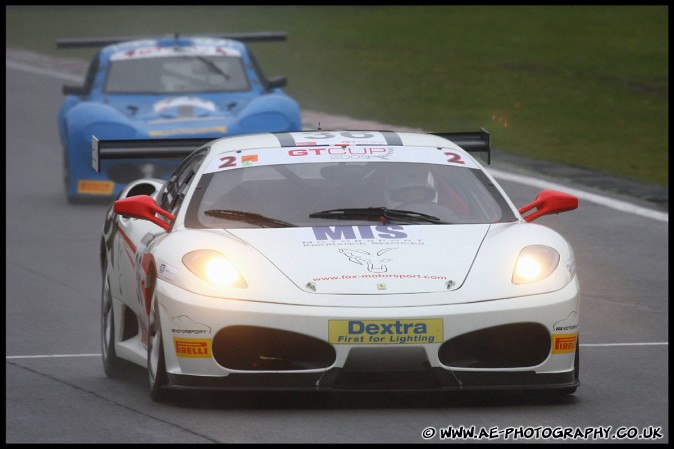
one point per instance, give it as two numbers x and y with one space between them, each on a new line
549 202
276 82
145 208
74 90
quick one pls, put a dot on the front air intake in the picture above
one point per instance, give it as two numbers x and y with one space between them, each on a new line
515 345
264 349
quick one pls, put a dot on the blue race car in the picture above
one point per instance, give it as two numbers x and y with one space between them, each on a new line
174 87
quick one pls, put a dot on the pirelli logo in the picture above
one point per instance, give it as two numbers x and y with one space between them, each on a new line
563 343
192 347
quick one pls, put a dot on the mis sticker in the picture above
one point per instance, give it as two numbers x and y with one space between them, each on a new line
385 332
563 343
193 347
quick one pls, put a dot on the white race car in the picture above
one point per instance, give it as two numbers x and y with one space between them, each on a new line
335 260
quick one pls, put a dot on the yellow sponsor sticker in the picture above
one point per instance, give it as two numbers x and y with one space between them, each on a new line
193 347
95 187
563 343
173 132
385 332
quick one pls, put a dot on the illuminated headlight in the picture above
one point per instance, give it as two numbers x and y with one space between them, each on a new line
535 263
214 267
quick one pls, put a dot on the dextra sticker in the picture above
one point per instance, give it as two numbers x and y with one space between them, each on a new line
563 343
192 347
385 331
95 187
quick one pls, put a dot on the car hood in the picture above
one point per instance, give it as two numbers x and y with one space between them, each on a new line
370 259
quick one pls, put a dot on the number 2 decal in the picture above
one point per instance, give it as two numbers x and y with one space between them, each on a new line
229 161
454 158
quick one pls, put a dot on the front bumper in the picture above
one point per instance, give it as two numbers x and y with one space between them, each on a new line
515 343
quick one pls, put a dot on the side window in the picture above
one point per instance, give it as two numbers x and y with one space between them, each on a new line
258 70
173 191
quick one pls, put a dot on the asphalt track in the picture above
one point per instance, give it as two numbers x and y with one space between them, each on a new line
56 391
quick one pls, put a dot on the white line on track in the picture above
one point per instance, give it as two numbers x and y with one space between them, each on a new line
50 356
28 68
583 195
661 343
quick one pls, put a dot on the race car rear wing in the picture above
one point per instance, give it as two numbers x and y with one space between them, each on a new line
262 36
143 149
472 142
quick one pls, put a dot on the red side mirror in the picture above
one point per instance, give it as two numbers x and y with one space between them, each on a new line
144 207
549 202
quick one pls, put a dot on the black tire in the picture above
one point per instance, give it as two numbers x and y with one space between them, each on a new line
156 366
66 178
112 365
66 171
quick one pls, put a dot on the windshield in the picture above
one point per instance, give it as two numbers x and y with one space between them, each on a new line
184 73
345 193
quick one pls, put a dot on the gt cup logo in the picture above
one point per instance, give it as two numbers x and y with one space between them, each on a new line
359 256
345 152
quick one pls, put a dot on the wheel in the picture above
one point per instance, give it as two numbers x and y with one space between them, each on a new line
65 167
156 366
112 365
66 178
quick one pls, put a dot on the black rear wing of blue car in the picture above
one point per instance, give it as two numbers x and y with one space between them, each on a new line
472 142
261 36
144 148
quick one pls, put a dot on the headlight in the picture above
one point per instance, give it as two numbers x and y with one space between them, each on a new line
535 263
214 267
